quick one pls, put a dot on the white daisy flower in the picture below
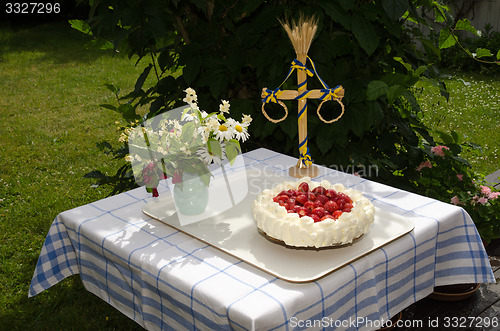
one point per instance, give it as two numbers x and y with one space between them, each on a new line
224 132
208 157
188 116
240 131
190 91
224 107
246 120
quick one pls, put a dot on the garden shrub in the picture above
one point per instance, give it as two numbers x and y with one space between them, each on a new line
489 39
232 49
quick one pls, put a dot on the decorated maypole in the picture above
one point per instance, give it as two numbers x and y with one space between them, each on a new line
301 35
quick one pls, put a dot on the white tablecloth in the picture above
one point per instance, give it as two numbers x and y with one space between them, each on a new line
164 279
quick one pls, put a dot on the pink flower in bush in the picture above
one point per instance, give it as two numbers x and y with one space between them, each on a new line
425 164
493 195
439 150
455 200
482 200
485 190
460 177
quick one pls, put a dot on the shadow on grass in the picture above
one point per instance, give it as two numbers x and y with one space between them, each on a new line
55 309
57 42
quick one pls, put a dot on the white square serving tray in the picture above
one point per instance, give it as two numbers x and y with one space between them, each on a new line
235 232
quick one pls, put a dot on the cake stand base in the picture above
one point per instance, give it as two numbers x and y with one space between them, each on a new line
297 172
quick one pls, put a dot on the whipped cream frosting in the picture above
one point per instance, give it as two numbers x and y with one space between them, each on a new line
277 223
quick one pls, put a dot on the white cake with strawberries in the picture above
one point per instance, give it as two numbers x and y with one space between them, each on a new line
305 213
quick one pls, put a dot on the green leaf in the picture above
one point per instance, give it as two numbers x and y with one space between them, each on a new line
376 88
446 39
336 13
465 25
395 92
482 52
365 33
445 137
430 47
232 150
395 8
127 111
456 137
400 60
81 26
214 147
187 132
420 70
498 55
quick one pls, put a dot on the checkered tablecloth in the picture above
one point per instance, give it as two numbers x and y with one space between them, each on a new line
164 279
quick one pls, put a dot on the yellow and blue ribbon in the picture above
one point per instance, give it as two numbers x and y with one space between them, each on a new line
327 94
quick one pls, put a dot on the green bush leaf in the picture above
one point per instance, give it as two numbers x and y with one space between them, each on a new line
406 65
365 33
446 39
482 52
376 89
81 26
395 92
465 25
395 8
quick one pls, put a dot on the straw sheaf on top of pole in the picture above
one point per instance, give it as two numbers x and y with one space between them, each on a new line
301 33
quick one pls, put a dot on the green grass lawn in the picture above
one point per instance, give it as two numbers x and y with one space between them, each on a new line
50 90
473 110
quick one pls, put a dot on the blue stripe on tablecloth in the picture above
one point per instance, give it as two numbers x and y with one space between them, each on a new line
148 273
355 290
201 281
468 242
322 300
414 266
259 289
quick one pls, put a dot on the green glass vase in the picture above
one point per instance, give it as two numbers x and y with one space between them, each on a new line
191 197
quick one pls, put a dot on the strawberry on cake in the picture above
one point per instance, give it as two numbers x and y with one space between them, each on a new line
313 214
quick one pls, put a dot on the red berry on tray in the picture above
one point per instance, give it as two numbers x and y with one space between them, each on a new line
303 211
323 198
315 218
309 205
318 203
302 198
344 197
319 190
311 196
304 187
331 193
283 198
331 206
336 214
320 211
327 216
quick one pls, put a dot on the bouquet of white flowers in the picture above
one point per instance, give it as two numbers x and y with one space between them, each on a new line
187 141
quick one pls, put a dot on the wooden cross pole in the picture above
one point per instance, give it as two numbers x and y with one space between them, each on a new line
301 36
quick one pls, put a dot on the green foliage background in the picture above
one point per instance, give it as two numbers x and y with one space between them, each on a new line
232 49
